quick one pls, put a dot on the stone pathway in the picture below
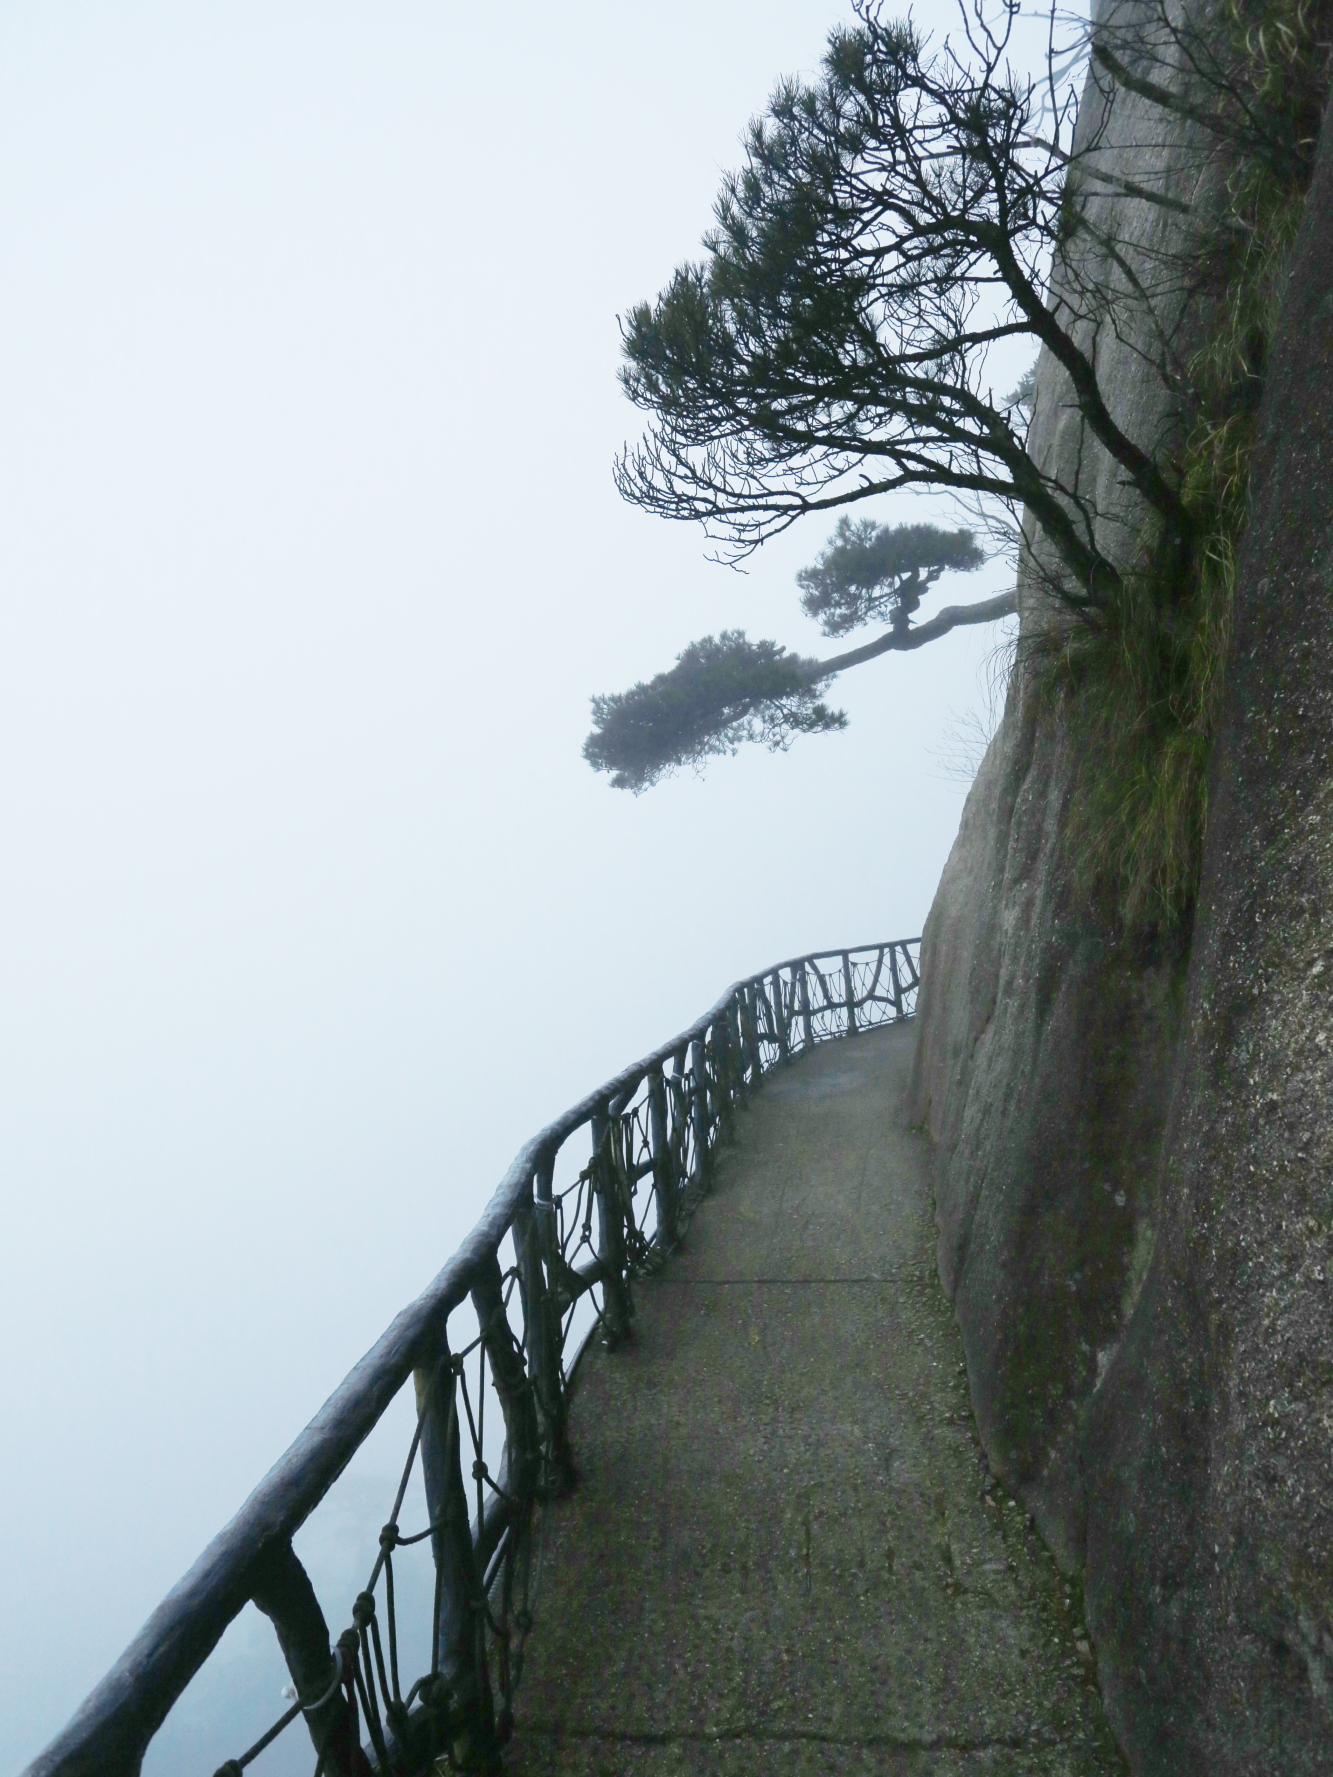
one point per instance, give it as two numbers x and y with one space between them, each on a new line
785 1554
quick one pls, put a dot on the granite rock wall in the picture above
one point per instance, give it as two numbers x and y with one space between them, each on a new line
1134 1170
1043 1063
1209 1455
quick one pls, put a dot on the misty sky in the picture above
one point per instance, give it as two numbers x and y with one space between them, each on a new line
309 563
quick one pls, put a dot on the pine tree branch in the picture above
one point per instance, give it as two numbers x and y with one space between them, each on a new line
1004 604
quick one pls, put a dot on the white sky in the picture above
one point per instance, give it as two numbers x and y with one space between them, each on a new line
309 563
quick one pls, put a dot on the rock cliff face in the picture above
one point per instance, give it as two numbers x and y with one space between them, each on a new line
1210 1446
1045 1041
1134 1162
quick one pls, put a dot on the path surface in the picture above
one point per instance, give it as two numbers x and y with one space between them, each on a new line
782 1556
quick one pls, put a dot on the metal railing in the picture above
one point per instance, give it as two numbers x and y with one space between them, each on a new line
553 1258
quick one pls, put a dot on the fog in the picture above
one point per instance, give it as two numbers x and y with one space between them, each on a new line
310 562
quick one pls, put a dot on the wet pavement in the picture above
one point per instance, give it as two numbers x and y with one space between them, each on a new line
785 1553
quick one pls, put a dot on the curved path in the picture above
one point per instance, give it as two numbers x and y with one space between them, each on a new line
785 1554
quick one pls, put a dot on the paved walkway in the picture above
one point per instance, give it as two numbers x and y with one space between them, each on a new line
784 1554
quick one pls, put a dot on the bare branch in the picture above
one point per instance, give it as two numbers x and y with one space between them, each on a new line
1004 604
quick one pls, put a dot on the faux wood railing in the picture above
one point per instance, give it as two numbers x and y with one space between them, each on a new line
554 1238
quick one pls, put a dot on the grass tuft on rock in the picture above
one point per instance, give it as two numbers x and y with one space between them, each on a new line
1141 683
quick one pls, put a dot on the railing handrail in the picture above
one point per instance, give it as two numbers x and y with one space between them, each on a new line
111 1729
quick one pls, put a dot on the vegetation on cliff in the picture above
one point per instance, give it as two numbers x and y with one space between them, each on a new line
887 242
895 226
1143 681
